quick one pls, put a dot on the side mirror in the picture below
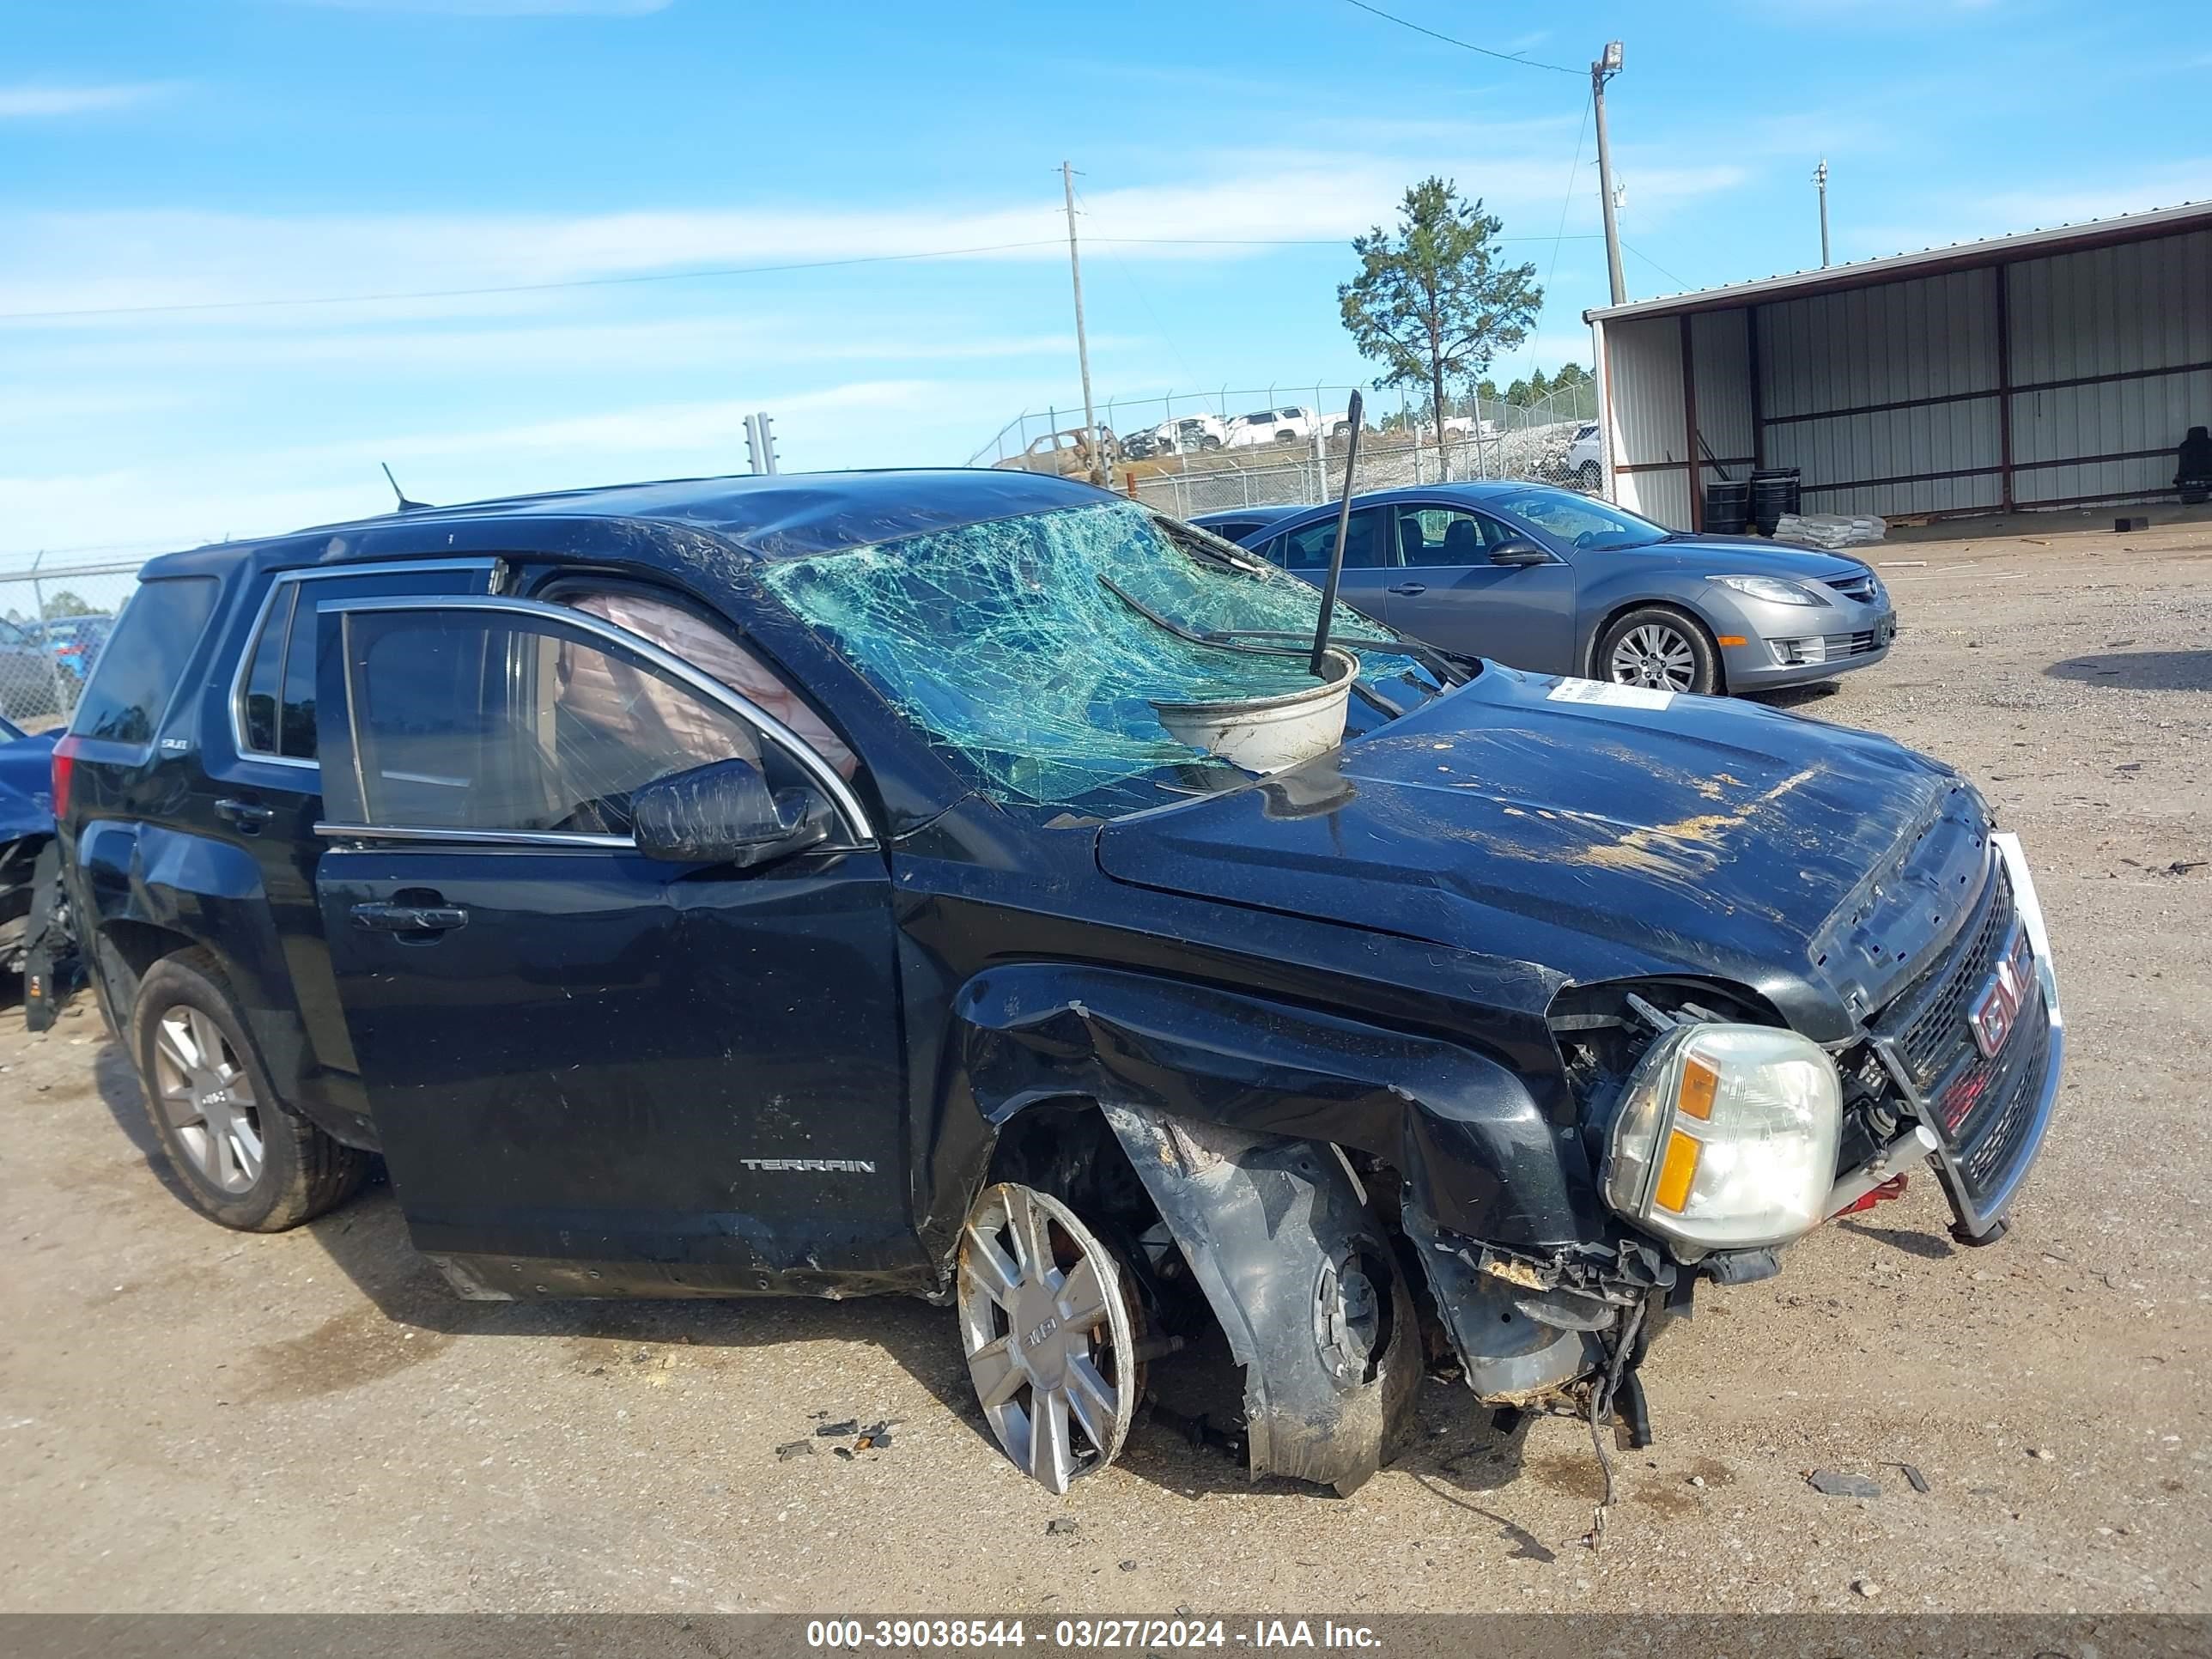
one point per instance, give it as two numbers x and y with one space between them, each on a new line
1518 550
725 813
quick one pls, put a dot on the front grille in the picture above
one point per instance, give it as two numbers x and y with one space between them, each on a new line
1928 1020
1989 1140
1860 588
1984 1109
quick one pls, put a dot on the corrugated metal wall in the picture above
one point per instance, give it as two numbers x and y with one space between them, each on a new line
2110 311
1934 337
1645 418
1888 399
1833 369
1720 367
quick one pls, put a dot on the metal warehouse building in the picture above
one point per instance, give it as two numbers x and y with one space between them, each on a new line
2056 368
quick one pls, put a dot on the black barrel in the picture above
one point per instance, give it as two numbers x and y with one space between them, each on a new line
1774 491
1727 506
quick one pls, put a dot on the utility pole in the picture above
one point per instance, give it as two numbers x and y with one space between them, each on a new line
1082 347
1608 66
1821 177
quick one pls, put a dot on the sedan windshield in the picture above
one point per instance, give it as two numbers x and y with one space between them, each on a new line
1578 520
1008 644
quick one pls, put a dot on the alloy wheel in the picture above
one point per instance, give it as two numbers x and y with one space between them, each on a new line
1046 1325
208 1099
1655 655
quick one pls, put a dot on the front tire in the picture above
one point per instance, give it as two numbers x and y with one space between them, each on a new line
1661 648
1048 1328
1586 478
242 1158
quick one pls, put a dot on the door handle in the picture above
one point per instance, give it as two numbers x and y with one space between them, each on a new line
250 817
1411 588
408 918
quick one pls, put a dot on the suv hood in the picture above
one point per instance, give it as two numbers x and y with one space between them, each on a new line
1817 865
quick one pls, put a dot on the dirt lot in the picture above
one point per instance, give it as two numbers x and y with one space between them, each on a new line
193 1418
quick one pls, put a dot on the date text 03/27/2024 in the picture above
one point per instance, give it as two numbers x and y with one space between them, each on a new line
1085 1635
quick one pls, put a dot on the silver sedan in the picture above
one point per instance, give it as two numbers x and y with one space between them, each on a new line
1555 582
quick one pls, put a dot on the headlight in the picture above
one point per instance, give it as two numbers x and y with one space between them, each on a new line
1727 1138
1769 587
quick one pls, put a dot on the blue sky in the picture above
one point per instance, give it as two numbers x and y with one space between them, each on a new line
157 155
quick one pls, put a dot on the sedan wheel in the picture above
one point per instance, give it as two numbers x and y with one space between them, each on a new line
1046 1325
1655 654
205 1094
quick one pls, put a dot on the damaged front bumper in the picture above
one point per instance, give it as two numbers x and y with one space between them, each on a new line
1988 1109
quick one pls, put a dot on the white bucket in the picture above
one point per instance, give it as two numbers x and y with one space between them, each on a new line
1269 734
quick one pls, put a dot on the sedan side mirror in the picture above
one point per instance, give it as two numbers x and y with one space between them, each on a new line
725 813
1518 550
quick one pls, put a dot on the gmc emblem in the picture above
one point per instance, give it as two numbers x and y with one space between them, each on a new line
1998 1006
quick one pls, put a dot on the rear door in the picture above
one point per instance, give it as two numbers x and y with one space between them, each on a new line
259 787
595 1072
1447 592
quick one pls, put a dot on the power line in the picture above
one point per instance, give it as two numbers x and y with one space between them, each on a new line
1574 170
1678 283
522 287
1123 272
1464 45
1276 241
708 274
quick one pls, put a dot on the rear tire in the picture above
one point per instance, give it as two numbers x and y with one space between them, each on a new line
1659 646
1586 477
243 1158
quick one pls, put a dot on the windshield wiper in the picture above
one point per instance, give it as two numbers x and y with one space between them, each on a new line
1227 640
1446 665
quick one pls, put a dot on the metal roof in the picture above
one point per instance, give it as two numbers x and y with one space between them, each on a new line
1929 261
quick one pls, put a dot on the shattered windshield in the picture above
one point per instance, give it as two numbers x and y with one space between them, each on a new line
1001 643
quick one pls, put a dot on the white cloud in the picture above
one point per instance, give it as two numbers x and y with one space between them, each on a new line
26 102
179 499
513 347
72 262
1964 218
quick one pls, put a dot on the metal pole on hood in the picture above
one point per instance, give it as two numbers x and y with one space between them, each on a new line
1351 417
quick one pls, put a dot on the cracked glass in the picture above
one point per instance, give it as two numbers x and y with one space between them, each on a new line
1002 642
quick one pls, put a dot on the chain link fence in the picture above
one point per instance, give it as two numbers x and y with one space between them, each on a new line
54 622
1284 446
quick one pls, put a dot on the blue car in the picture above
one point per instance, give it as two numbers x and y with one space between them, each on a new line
27 825
1555 582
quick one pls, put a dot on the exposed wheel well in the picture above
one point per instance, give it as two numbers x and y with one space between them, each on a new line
1605 627
127 949
1064 1147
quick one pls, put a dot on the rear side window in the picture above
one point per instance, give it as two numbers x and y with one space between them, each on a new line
1310 549
144 659
264 673
275 709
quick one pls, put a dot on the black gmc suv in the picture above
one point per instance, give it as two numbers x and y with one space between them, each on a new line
847 883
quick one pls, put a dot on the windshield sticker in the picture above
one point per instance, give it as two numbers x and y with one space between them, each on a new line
1611 696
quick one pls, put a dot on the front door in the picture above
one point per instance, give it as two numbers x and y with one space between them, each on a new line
594 1072
1448 592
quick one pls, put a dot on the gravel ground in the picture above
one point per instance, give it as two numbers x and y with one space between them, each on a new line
195 1419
